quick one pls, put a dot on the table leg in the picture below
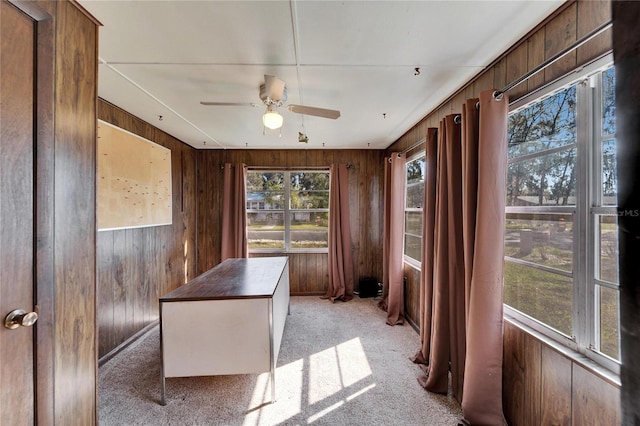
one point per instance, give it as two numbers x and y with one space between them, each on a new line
163 385
273 385
163 400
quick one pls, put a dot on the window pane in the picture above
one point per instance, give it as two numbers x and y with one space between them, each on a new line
309 229
415 170
414 198
309 181
608 241
548 180
265 190
265 230
413 247
545 296
609 174
547 124
309 190
309 199
543 238
608 102
413 223
609 333
415 195
415 183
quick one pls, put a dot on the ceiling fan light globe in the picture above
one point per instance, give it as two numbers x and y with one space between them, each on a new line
272 120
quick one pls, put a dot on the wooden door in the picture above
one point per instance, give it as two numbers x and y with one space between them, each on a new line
16 213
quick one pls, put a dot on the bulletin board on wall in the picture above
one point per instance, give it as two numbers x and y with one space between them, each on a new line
134 180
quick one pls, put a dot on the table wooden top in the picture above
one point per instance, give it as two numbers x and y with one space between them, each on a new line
255 277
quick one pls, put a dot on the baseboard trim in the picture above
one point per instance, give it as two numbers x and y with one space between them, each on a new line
413 324
122 346
311 293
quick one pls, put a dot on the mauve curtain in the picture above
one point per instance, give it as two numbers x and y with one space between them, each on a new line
465 298
482 398
447 261
393 235
340 256
234 212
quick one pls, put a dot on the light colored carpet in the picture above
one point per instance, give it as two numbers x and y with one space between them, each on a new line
339 364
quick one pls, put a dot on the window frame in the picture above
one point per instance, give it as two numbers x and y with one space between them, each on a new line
585 315
416 263
287 211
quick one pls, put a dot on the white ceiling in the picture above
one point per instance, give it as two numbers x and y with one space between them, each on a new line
161 58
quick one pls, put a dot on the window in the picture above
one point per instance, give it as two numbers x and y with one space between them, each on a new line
287 210
414 198
561 223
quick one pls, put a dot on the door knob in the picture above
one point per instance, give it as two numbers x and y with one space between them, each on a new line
19 317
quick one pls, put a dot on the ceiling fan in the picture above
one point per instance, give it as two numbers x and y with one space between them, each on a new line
274 94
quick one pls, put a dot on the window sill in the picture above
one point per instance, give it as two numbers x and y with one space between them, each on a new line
412 263
576 357
299 251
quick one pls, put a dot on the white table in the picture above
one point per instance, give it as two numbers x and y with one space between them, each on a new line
229 320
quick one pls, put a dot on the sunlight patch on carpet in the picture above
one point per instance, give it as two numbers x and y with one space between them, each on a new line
288 396
336 368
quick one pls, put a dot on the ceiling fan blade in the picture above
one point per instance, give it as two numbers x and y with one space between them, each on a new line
252 104
318 112
274 88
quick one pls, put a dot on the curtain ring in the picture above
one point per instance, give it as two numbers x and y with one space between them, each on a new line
498 96
399 155
478 105
457 119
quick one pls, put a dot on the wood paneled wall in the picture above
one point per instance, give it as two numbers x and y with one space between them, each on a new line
308 271
66 361
412 295
136 266
569 23
542 386
74 229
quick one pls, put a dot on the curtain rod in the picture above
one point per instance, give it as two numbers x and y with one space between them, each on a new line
415 145
583 40
458 118
554 58
288 168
